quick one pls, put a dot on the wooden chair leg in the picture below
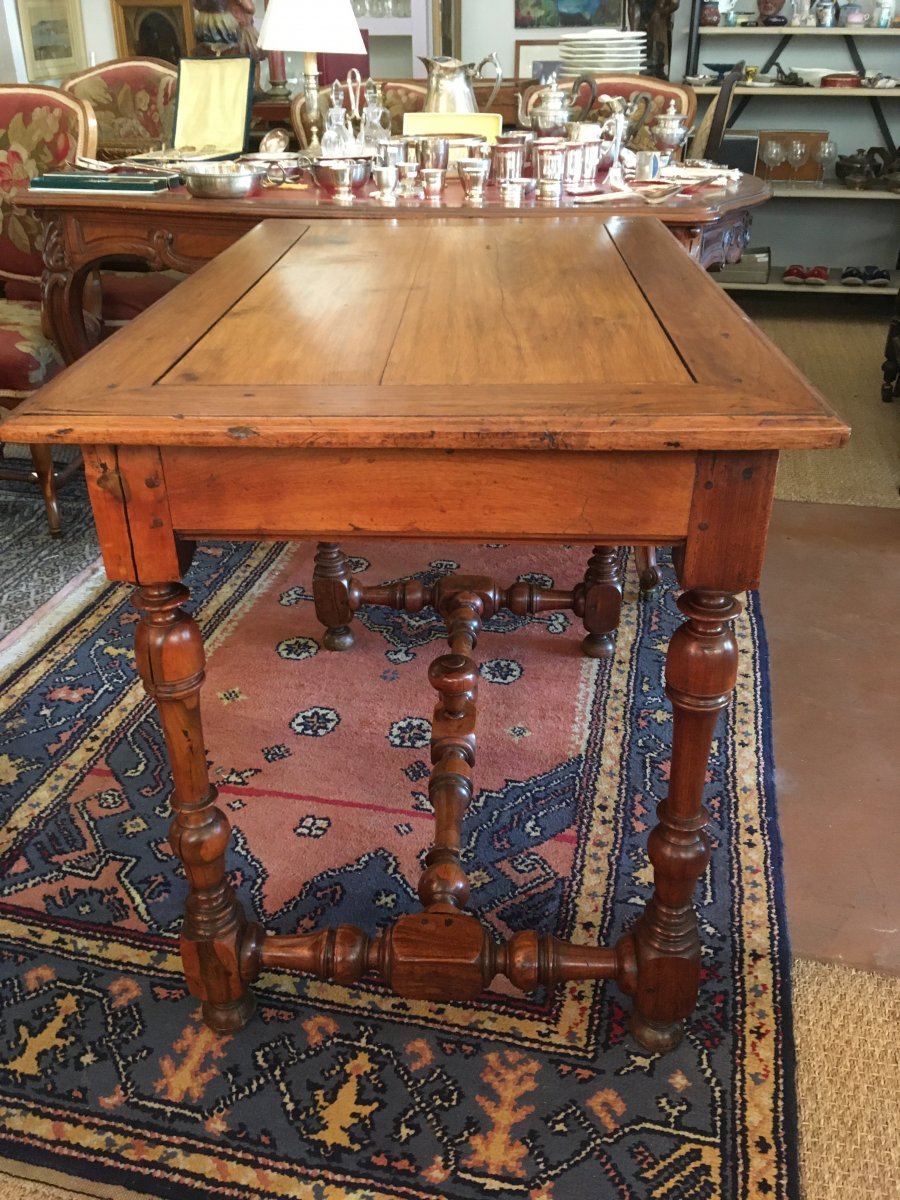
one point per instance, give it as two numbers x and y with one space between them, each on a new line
648 571
42 458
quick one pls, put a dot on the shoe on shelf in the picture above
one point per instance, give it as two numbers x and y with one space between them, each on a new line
876 276
817 276
794 274
852 277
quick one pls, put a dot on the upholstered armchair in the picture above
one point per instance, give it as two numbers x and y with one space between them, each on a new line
41 129
134 100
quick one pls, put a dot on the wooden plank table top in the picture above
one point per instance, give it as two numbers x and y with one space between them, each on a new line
456 379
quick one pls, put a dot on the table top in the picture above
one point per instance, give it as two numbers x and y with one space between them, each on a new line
449 334
306 200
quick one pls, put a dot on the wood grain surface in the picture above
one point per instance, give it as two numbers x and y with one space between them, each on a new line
598 335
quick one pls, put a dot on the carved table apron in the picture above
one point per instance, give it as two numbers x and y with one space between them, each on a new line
245 404
181 232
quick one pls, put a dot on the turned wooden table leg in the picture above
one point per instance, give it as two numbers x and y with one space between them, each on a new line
599 600
331 593
701 670
171 661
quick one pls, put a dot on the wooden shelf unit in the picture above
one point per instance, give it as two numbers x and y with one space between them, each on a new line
831 191
793 31
834 287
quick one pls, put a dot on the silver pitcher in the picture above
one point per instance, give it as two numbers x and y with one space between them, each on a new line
450 84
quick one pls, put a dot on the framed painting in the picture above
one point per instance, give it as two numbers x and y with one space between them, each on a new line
52 38
164 29
531 52
552 14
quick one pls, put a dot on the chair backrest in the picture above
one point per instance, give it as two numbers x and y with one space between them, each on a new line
707 142
134 99
41 128
399 96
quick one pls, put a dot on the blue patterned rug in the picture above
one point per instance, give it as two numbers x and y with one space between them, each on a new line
107 1075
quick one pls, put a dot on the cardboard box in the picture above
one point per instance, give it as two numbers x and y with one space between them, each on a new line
754 266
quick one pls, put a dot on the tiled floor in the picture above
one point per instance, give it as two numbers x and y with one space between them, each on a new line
831 605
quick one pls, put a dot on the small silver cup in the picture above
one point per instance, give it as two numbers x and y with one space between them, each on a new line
473 174
574 164
511 192
507 161
549 191
410 188
386 177
592 152
549 158
433 152
342 175
518 137
433 182
390 151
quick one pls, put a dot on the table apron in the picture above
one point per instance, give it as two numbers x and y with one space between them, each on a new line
258 492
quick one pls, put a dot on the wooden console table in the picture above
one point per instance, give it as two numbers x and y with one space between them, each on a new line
246 404
181 232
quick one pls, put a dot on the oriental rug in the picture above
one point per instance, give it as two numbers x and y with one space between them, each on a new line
107 1076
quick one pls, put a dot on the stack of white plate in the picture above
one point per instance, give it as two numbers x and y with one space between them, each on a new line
603 51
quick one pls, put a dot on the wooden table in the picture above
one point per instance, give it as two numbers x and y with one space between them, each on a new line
181 232
248 404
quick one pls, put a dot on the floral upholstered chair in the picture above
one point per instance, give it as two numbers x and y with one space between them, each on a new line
134 99
41 128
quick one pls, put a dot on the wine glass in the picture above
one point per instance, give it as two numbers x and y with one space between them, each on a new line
797 154
772 154
826 153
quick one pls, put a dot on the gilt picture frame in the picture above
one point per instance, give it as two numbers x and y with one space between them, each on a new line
52 38
154 29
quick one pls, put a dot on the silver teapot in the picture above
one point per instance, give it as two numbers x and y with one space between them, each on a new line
551 108
450 83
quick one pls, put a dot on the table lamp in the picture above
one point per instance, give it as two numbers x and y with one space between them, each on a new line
328 26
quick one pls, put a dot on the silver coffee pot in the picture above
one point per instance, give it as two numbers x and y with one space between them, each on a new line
450 84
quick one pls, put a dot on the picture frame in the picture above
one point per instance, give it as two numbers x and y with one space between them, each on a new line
154 29
575 14
52 38
532 50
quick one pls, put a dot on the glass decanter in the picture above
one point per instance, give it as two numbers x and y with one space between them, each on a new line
337 140
376 120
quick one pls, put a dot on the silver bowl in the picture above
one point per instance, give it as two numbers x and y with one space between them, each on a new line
327 172
222 180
